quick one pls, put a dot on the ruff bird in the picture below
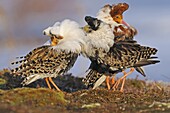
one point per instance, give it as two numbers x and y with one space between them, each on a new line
56 57
109 58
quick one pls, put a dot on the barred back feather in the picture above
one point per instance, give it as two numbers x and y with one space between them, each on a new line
46 62
51 61
122 55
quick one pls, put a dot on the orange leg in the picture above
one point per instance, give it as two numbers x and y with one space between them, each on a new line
116 85
123 80
112 80
124 73
108 82
54 84
48 84
123 83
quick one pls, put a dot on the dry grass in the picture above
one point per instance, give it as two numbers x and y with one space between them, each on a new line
139 96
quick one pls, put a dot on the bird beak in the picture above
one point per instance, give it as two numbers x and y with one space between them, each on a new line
86 28
60 37
54 41
124 23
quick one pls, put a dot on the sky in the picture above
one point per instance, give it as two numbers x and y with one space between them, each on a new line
22 23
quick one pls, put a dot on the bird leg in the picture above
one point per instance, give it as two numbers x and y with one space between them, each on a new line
54 84
113 80
122 79
115 86
108 82
48 84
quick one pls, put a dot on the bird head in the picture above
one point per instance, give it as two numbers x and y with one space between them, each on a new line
98 33
60 31
93 23
66 35
118 18
113 14
54 37
104 15
55 40
97 26
117 11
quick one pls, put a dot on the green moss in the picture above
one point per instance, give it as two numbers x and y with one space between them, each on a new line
2 81
33 97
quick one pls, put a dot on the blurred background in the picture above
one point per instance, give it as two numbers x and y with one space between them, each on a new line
22 23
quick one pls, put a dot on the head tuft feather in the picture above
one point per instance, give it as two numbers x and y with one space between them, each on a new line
73 35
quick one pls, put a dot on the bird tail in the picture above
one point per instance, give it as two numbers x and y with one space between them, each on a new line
35 53
29 79
140 70
27 62
147 58
147 52
93 79
145 62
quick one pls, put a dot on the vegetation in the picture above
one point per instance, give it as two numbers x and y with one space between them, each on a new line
139 96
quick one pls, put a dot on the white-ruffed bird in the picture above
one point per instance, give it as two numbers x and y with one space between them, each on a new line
55 57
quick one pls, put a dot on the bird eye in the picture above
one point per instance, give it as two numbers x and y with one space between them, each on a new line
90 31
117 16
50 33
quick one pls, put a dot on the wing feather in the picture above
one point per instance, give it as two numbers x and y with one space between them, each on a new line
45 62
